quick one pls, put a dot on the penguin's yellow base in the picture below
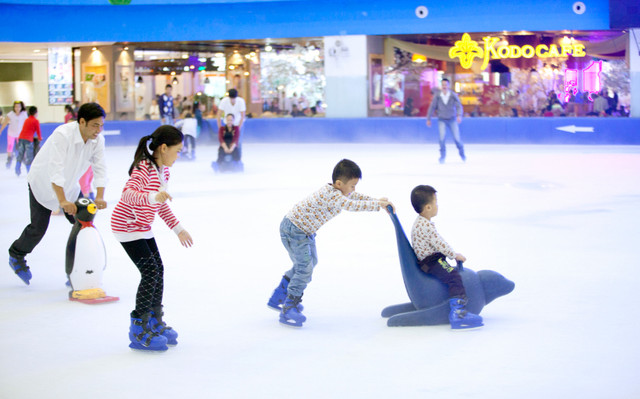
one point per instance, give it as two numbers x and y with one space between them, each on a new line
92 296
91 293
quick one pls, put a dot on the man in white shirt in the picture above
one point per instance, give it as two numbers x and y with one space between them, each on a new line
232 105
53 179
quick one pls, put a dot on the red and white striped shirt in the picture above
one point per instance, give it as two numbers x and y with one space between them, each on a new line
133 215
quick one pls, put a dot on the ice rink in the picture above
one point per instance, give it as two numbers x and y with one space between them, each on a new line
559 221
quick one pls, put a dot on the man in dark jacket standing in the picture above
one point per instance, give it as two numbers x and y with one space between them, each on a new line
449 109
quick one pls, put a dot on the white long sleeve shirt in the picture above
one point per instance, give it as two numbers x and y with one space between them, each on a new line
426 241
62 160
188 126
325 204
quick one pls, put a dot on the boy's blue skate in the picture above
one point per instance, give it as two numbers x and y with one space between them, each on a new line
290 315
20 267
279 295
160 327
142 338
459 318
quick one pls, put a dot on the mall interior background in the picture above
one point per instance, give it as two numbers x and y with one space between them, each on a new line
357 60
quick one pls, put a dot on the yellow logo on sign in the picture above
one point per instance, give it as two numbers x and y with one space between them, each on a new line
465 49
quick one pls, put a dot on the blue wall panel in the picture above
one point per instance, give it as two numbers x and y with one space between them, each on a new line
625 131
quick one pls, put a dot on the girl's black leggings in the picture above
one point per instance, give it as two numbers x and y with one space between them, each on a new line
145 255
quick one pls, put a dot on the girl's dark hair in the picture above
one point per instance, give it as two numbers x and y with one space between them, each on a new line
165 134
22 107
346 170
32 111
421 196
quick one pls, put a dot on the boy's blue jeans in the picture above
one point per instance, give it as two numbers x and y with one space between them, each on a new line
452 125
302 251
25 151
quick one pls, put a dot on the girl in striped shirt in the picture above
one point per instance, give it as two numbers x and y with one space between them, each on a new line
144 195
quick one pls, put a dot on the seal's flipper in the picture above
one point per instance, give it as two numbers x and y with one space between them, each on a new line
432 316
396 309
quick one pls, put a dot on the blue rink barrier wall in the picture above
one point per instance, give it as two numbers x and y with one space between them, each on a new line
589 131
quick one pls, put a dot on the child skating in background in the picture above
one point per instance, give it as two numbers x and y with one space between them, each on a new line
298 230
432 251
189 128
30 133
144 195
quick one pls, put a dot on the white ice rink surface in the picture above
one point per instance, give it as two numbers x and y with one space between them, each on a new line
559 221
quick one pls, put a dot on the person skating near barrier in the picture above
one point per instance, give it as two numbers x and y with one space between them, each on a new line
448 107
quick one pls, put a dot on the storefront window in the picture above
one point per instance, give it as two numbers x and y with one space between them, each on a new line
520 74
292 81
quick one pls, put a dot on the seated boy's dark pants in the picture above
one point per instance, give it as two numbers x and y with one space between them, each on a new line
235 154
33 233
437 266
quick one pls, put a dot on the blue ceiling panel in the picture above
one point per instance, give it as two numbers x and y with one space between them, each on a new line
193 20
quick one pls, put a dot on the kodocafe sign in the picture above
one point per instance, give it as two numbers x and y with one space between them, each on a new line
467 49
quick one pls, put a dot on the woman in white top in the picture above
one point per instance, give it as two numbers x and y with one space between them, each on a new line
15 119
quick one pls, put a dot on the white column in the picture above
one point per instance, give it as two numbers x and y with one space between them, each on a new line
345 67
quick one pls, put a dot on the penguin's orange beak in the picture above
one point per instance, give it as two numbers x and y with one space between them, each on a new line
92 208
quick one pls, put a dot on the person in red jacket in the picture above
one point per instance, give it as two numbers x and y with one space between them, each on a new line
228 136
26 151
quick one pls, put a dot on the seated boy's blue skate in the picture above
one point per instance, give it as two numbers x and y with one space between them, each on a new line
460 319
290 315
19 266
429 297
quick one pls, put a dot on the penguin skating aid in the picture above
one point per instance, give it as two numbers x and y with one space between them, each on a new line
86 257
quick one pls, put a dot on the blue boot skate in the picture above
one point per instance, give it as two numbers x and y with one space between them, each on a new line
19 266
459 318
290 315
279 295
160 327
142 338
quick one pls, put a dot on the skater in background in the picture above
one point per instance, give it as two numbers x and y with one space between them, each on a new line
53 179
30 133
144 195
449 109
432 251
165 106
69 114
85 182
189 128
233 104
298 231
228 137
15 119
